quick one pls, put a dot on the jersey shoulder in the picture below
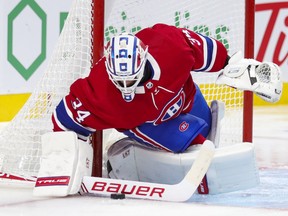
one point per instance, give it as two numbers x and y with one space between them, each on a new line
162 31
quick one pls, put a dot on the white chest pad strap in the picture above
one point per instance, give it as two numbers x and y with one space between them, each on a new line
65 160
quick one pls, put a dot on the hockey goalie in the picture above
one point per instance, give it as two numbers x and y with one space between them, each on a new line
143 88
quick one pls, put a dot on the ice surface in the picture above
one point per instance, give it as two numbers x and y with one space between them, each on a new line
269 198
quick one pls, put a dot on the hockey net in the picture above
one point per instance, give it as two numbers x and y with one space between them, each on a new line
20 152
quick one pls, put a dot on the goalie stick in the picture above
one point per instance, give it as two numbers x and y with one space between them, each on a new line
154 191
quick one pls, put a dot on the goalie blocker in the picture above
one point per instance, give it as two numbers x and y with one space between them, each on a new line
65 160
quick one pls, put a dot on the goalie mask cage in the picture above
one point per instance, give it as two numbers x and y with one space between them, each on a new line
81 43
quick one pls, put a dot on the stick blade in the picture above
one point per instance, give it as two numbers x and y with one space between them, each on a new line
194 176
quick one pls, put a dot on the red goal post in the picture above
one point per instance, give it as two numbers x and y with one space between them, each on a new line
97 52
248 53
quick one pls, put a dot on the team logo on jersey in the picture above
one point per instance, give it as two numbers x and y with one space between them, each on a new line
172 109
183 126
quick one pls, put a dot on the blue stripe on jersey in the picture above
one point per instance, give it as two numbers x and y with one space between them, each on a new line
210 48
69 123
144 139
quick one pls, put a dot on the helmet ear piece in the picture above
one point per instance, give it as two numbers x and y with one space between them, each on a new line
126 57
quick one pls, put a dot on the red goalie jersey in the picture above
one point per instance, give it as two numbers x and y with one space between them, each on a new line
94 103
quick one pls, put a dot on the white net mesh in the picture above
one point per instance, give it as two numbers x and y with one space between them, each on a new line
222 19
20 140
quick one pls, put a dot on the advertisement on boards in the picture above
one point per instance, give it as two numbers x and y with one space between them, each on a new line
29 30
271 33
28 36
28 33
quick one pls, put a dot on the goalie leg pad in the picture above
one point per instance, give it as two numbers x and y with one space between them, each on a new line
65 160
83 166
131 161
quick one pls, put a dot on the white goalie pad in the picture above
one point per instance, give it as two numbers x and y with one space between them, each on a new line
263 78
65 160
233 168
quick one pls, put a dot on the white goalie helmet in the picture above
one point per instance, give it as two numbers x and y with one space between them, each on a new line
125 63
